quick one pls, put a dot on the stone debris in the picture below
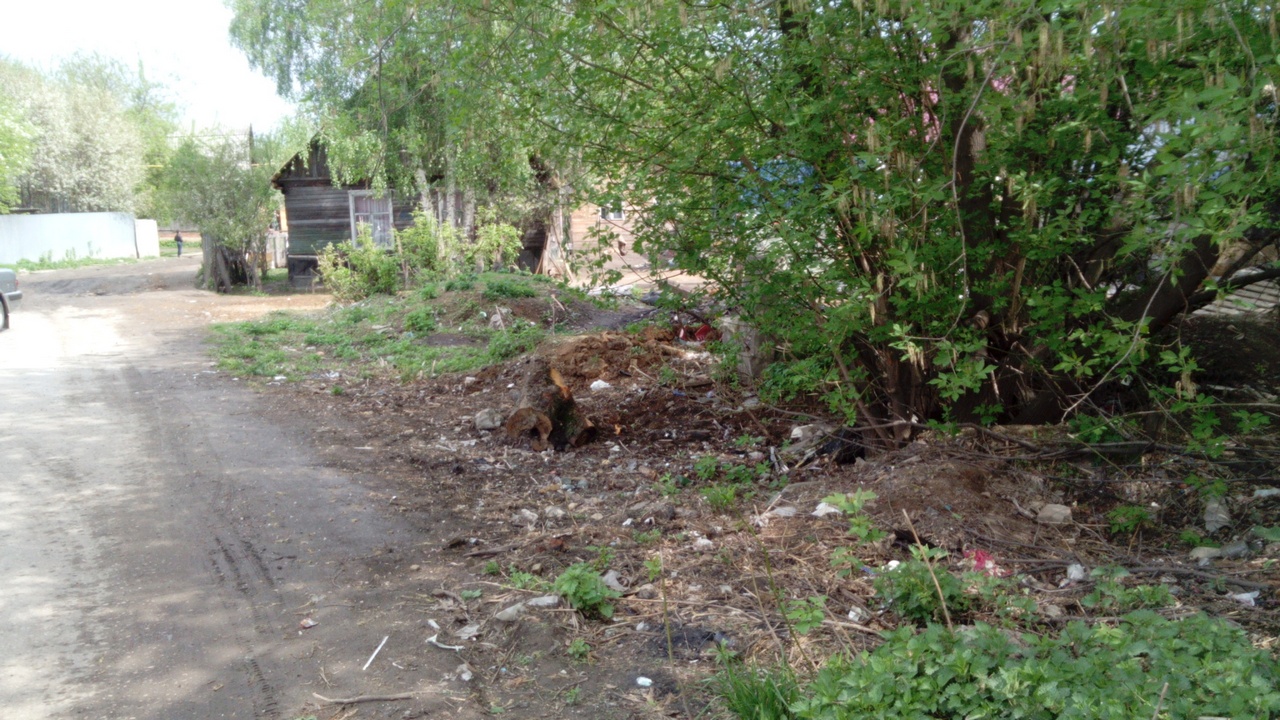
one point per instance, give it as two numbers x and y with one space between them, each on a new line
545 601
1054 514
488 419
510 614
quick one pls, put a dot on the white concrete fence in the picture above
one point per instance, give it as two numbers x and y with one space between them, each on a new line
70 236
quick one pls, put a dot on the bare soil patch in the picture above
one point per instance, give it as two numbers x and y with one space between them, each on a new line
506 521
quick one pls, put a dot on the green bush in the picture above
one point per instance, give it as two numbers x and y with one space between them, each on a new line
910 592
356 271
583 588
430 248
502 288
420 321
1083 672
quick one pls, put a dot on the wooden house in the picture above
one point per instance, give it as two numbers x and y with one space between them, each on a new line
318 213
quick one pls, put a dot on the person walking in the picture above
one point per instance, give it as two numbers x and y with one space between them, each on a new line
177 238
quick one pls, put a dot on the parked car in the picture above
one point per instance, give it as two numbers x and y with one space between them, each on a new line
9 294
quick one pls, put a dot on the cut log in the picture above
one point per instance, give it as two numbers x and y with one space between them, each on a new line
546 412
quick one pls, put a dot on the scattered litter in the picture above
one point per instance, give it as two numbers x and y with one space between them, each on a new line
1249 599
307 623
985 563
434 625
463 672
858 615
1205 553
468 632
1265 493
599 385
510 614
825 509
614 581
1054 514
763 519
1236 551
891 565
546 601
1216 515
441 645
1075 572
375 653
643 681
703 545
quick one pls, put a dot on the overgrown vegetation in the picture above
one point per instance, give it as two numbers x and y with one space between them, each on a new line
382 333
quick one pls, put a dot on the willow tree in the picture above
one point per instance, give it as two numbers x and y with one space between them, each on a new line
977 208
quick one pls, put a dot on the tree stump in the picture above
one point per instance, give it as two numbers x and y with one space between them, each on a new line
546 412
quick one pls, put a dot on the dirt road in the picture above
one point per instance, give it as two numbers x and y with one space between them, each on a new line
164 534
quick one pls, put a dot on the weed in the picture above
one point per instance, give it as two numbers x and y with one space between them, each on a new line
668 376
572 695
421 321
706 467
579 650
746 442
471 594
428 291
852 504
910 591
521 580
1110 594
1112 669
336 390
460 284
583 588
506 344
1194 539
807 614
1128 519
492 568
501 288
720 497
653 568
646 537
604 556
670 484
755 694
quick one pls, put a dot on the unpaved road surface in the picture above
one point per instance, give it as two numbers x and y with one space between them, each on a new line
163 537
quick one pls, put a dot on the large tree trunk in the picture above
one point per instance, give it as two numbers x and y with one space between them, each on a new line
546 412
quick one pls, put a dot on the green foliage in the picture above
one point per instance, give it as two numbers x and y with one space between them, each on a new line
514 341
421 321
706 468
753 694
461 284
471 594
721 498
747 441
1083 672
521 580
852 505
806 614
1129 519
579 650
506 288
354 271
910 592
496 243
583 588
1112 596
431 249
653 568
492 568
646 537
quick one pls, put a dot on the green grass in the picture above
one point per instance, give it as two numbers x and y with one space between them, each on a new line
48 263
379 335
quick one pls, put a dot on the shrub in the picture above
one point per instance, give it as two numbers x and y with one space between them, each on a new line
1085 671
501 288
582 587
420 321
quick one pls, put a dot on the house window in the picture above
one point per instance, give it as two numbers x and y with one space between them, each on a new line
611 212
373 211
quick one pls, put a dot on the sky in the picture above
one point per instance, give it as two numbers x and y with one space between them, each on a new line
183 44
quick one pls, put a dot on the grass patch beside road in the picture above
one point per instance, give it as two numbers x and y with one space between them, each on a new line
424 333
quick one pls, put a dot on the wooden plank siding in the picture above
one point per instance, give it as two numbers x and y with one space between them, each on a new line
318 212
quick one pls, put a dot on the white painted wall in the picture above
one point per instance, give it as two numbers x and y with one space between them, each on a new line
146 238
72 235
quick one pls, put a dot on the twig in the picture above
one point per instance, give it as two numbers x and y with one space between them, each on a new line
1160 702
364 698
1157 569
924 553
375 653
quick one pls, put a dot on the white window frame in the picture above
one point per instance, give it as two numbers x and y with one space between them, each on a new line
385 240
615 213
